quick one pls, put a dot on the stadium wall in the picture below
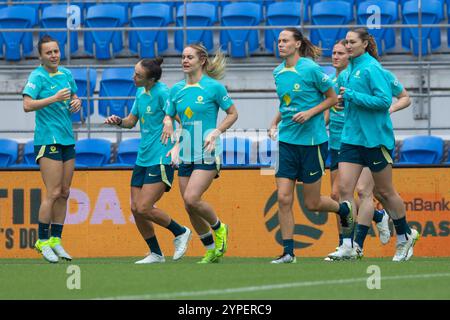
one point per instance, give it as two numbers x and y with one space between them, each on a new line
99 222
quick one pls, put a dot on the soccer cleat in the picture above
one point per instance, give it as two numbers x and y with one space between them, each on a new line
152 258
221 239
327 258
348 224
55 244
383 228
344 253
358 251
284 258
210 257
181 244
44 248
404 249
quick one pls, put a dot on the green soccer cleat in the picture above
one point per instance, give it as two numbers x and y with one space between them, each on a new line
43 247
210 257
55 244
221 240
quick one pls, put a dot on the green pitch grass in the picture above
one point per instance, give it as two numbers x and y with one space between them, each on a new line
233 278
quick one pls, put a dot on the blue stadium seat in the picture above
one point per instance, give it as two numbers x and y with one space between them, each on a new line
29 158
149 44
240 43
216 5
236 151
389 14
104 44
92 152
56 17
116 82
38 7
8 152
422 150
431 37
127 151
17 17
330 13
267 152
81 79
280 14
199 15
171 5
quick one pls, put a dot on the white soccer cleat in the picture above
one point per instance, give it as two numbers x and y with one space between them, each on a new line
344 253
181 244
43 247
327 258
55 244
286 258
404 249
383 228
152 258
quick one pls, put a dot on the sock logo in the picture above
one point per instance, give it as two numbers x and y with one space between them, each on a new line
309 231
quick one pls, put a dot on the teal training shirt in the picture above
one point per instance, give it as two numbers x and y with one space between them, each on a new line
53 122
150 108
396 86
367 99
336 123
301 88
197 105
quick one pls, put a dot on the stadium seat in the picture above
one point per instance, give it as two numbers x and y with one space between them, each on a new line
56 17
385 37
81 79
127 151
280 14
92 152
199 15
236 151
17 17
422 150
330 13
116 82
267 152
240 43
9 150
431 37
148 44
216 5
104 44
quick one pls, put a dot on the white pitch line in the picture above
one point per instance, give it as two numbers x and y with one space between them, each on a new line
183 294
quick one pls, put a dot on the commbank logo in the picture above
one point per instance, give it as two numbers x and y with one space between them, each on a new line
309 231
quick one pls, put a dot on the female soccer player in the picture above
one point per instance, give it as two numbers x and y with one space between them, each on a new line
152 173
196 100
50 91
303 141
367 136
365 185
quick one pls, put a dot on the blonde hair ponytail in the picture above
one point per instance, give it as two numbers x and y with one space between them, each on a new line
214 68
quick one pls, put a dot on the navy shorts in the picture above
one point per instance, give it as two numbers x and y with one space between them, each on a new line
55 152
375 158
185 169
334 155
152 174
302 163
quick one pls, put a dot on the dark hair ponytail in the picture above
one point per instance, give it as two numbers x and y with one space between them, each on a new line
364 35
152 67
307 49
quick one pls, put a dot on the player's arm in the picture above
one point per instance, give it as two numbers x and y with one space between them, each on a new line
274 126
326 115
75 103
128 122
230 119
404 101
30 104
331 100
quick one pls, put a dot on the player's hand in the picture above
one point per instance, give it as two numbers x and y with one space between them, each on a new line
273 132
168 132
210 141
302 117
342 91
75 105
63 95
113 120
174 153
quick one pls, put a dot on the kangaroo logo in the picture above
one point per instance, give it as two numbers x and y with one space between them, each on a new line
316 218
